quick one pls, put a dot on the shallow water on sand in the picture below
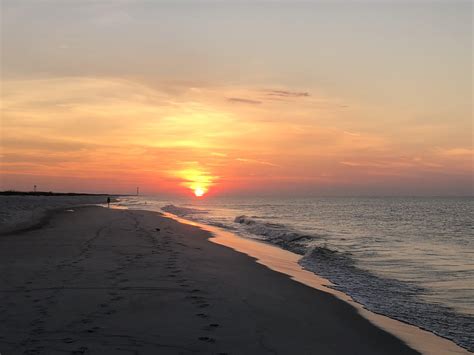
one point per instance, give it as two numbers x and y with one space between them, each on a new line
409 258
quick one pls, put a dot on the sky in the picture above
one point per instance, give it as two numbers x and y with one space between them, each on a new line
244 98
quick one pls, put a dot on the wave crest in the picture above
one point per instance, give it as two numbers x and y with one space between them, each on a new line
182 211
278 234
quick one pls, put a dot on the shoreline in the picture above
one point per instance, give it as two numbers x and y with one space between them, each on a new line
286 262
101 280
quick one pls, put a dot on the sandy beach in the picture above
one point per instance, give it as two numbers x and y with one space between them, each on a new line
20 213
107 281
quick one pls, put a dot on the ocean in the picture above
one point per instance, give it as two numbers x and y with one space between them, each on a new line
411 259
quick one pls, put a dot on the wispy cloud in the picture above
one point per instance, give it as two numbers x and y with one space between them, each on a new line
354 134
216 154
457 152
286 93
253 161
244 101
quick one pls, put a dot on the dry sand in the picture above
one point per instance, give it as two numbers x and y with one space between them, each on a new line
100 281
24 212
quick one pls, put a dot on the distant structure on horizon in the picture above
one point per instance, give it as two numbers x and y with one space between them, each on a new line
138 190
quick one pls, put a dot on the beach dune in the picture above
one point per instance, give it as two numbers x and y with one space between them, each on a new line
104 281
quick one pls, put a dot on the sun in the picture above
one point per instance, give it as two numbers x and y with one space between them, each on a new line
199 192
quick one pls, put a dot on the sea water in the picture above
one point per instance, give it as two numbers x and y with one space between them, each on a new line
411 259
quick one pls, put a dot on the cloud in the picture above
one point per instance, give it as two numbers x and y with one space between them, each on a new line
354 134
457 152
286 93
394 163
216 154
253 161
244 101
26 142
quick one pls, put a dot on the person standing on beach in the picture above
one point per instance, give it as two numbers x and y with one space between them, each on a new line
108 202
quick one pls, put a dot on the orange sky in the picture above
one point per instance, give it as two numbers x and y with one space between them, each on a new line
247 123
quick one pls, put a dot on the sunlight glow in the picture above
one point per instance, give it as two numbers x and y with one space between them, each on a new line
199 192
196 179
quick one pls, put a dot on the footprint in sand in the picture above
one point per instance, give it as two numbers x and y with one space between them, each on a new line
37 322
92 330
81 350
211 326
207 339
200 302
196 298
37 330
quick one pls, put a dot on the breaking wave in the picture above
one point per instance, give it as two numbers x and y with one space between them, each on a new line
182 211
277 234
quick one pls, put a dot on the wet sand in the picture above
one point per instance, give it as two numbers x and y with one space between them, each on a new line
100 281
